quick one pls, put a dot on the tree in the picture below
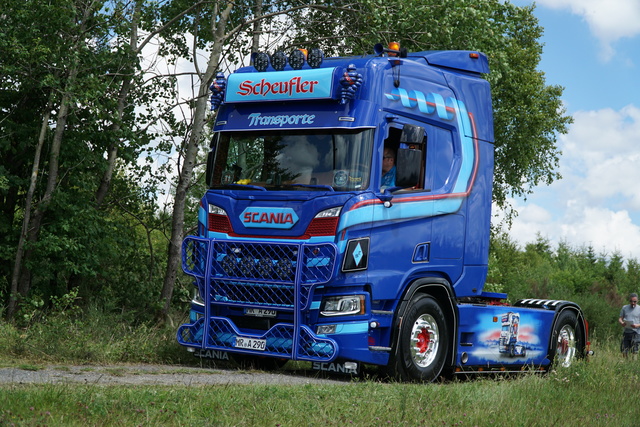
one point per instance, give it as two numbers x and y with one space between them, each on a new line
216 26
72 80
528 113
75 20
77 110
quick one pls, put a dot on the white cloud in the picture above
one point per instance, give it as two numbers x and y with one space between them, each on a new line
609 20
601 156
532 220
605 230
597 202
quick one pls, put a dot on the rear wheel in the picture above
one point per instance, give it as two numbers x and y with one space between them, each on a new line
567 343
423 342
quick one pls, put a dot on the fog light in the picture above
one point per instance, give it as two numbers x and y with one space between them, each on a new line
296 59
326 329
315 58
352 366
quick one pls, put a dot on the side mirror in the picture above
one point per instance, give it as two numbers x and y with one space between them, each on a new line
408 167
412 134
210 160
410 156
211 157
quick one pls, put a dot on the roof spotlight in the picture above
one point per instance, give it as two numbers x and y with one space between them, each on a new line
393 49
260 61
315 58
279 60
296 59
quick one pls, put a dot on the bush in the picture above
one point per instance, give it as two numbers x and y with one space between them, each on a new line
94 336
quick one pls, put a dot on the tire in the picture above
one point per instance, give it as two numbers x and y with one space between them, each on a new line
423 342
567 340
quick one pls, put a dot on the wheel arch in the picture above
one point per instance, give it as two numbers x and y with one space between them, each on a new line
572 307
442 292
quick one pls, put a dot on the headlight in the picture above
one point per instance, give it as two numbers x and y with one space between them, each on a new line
343 305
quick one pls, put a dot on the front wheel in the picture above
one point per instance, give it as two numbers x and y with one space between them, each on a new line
423 342
567 343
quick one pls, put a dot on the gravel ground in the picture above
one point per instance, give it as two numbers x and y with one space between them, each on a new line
156 375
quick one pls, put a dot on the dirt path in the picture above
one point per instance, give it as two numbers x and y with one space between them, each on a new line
156 375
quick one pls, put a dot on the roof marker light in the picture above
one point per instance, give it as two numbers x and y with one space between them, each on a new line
474 55
393 48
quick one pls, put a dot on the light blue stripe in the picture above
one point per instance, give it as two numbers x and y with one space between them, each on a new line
202 215
468 154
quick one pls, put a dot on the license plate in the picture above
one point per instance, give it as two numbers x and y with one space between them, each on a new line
260 312
250 343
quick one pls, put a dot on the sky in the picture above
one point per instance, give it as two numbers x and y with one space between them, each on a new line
592 49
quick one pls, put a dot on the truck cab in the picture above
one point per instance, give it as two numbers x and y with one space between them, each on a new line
305 252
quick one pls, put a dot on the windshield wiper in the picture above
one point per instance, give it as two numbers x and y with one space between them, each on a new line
318 187
240 187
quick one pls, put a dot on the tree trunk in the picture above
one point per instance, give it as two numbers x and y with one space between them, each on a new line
21 279
191 151
123 96
20 252
257 28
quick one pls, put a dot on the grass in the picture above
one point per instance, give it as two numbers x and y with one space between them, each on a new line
595 393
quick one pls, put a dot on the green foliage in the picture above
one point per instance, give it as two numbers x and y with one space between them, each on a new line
101 246
599 284
112 253
66 334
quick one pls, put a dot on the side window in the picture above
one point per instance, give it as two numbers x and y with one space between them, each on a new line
389 159
440 158
426 165
405 149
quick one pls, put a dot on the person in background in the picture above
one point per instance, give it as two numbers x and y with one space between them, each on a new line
630 320
388 168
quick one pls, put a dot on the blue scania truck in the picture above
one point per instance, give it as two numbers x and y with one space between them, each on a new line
302 253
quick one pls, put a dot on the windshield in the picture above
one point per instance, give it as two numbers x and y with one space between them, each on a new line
286 160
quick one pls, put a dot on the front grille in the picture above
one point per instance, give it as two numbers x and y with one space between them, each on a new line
230 291
252 273
254 261
275 275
